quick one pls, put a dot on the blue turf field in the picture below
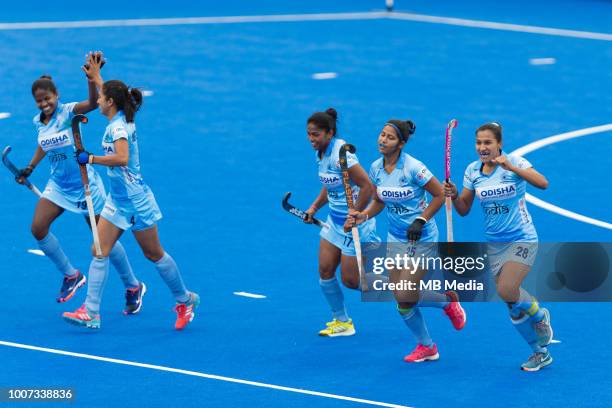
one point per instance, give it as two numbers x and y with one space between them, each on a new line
222 139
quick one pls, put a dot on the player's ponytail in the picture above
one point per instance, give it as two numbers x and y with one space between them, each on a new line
404 128
325 120
45 83
134 102
126 99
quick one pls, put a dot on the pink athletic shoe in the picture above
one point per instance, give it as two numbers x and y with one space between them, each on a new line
422 353
454 311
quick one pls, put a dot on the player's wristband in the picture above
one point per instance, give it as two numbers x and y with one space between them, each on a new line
91 159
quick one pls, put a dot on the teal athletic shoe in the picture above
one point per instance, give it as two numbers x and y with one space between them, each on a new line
83 317
544 330
536 361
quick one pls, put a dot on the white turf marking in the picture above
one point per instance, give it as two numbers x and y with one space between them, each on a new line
308 17
147 93
198 374
250 295
36 252
556 139
193 20
542 61
325 75
554 341
5 115
501 26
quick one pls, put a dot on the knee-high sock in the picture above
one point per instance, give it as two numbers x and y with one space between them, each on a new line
333 294
429 298
172 276
528 305
119 259
413 319
98 273
527 332
52 248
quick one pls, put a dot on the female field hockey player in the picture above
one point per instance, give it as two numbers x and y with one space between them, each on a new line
336 246
401 184
64 190
500 182
130 204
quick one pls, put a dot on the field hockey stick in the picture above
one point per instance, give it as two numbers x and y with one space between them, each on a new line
78 143
447 164
349 201
299 213
13 169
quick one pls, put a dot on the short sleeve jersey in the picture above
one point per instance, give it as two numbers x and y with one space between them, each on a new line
330 176
56 140
126 182
502 198
402 191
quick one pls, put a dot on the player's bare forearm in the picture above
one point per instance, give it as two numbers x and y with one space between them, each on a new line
111 161
39 154
361 179
463 203
434 188
375 207
365 195
320 201
531 176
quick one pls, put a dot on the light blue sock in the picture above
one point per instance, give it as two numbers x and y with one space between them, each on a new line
415 322
172 276
429 298
333 293
119 259
51 247
527 332
98 273
527 304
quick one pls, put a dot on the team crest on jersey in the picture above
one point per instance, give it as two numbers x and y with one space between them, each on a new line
496 192
51 141
395 194
422 174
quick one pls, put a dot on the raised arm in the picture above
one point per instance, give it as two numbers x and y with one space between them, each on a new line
93 64
530 174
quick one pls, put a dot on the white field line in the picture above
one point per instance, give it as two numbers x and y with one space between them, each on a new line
308 17
199 374
501 26
250 295
521 151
